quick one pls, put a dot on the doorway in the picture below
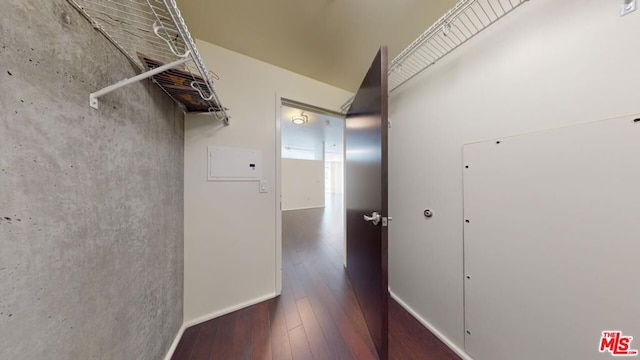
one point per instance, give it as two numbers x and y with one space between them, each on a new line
310 167
312 161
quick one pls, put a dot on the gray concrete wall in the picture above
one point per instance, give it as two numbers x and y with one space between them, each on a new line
91 201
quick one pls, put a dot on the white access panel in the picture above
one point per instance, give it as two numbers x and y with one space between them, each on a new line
552 243
234 164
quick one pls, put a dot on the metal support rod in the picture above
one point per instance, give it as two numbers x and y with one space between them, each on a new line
93 97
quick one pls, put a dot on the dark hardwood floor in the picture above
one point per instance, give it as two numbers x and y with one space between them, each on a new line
317 315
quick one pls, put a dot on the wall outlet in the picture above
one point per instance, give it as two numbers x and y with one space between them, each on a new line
628 7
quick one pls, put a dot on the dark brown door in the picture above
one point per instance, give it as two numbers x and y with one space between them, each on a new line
366 197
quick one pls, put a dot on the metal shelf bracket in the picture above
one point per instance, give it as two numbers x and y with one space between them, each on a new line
93 97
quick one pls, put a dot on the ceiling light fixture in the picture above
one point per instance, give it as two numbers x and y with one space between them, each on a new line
300 119
629 6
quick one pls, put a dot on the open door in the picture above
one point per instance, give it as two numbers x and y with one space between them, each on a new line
366 199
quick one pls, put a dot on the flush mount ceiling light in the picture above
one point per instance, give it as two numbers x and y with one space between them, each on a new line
629 6
300 119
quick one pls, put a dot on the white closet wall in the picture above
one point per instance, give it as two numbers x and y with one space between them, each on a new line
230 228
548 64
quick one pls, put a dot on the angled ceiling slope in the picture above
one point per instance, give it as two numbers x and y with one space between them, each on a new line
332 41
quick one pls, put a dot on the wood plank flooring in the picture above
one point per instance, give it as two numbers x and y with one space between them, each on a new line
317 315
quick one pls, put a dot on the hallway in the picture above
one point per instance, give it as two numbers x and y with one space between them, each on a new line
317 315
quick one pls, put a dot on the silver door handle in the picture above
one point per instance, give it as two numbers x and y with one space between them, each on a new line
374 218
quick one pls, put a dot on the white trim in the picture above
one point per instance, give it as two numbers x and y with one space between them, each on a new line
278 189
174 345
460 352
229 310
211 316
344 192
305 208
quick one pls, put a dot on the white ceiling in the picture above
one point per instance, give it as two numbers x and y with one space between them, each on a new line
319 129
333 41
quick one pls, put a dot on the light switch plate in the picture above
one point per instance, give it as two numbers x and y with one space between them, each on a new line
264 186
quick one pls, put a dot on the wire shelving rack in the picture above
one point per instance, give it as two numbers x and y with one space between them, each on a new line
153 28
457 26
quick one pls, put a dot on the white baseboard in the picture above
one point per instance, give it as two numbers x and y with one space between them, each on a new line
211 316
175 342
228 310
305 208
460 352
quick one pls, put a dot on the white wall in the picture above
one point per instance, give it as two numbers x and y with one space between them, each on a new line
302 184
230 228
548 64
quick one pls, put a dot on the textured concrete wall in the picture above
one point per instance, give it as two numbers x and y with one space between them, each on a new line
91 201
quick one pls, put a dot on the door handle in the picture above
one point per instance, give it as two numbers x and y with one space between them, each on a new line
374 218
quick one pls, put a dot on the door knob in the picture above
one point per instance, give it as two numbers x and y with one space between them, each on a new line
374 218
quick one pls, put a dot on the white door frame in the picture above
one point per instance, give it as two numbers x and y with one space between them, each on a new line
278 185
278 189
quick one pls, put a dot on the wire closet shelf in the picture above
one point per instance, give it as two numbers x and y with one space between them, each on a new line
464 21
153 29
